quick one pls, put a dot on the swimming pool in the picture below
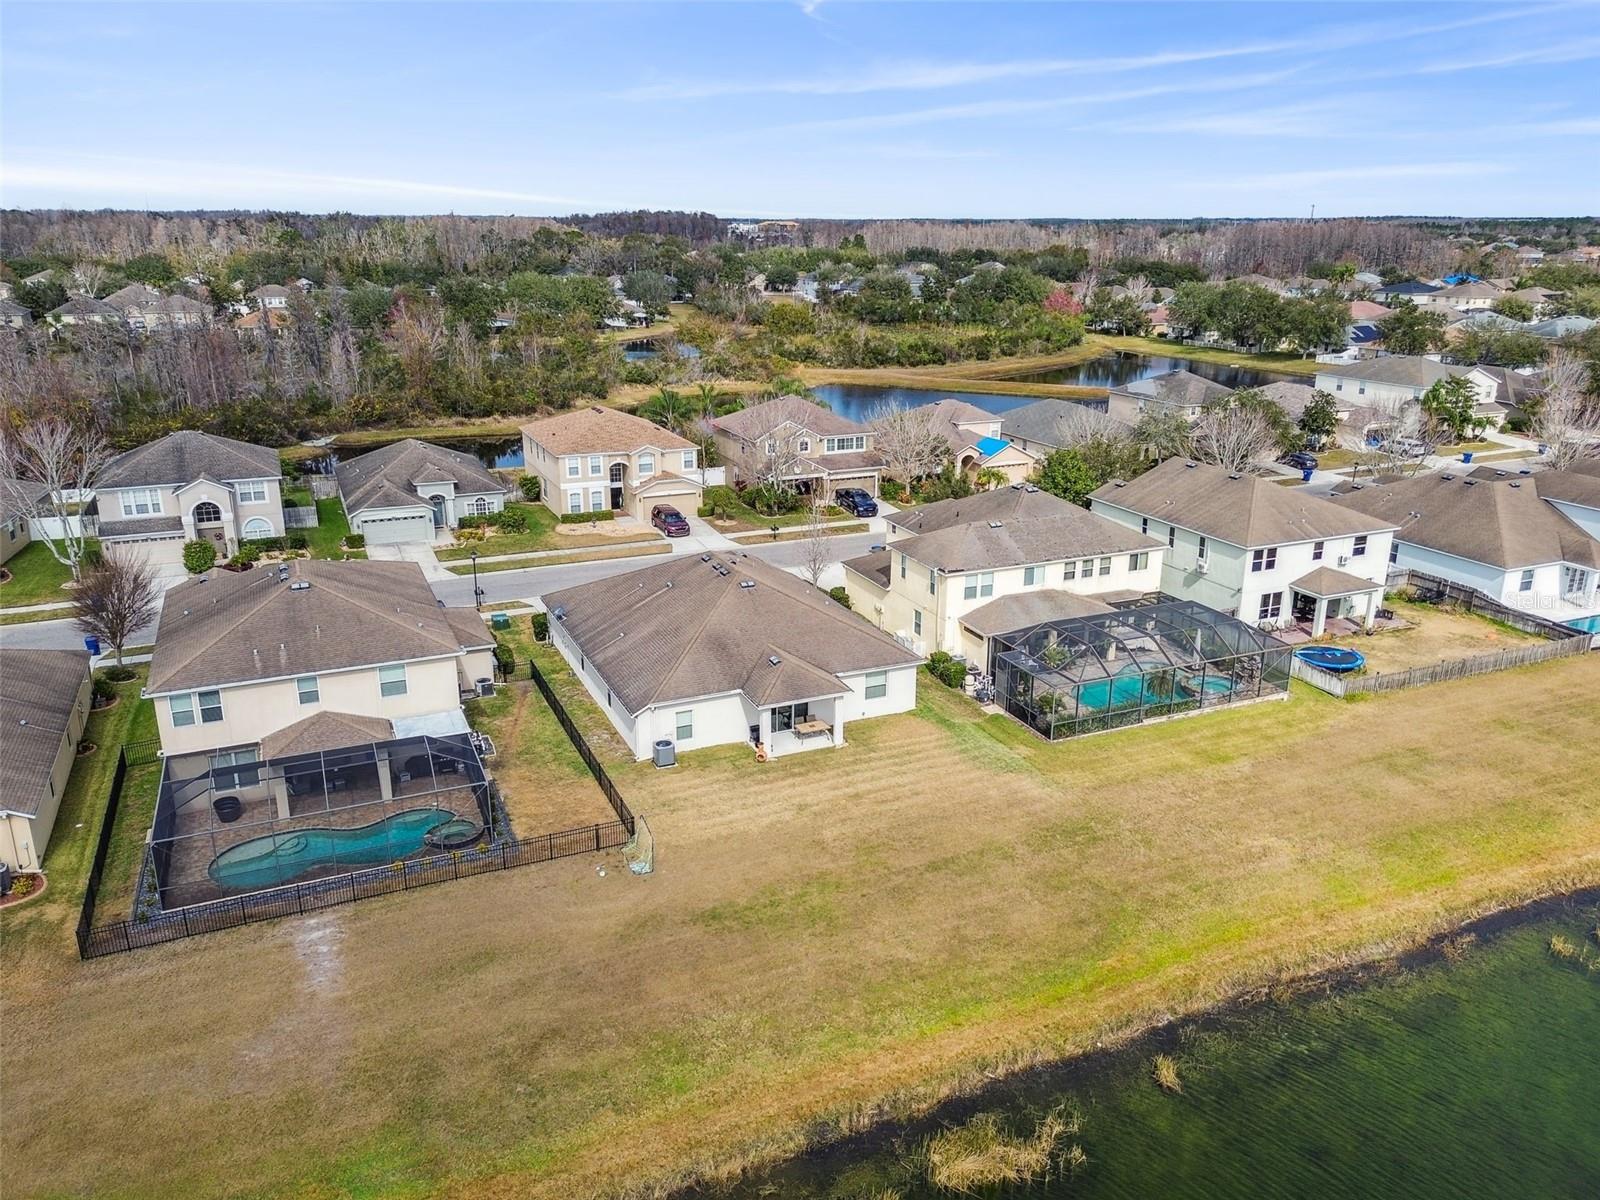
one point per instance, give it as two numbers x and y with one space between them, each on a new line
1587 624
1129 690
280 858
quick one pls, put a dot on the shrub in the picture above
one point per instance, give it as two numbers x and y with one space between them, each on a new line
261 546
504 659
471 521
119 674
248 555
719 501
355 541
514 520
840 595
22 885
541 627
104 692
529 486
298 541
199 556
892 490
605 514
951 672
1518 423
470 533
773 501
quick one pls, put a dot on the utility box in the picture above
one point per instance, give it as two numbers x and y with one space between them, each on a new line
666 755
500 621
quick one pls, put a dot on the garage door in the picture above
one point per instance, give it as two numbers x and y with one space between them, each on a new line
388 531
159 552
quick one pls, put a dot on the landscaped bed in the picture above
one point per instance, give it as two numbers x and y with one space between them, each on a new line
544 532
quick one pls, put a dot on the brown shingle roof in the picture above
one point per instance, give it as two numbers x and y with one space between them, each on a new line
1579 484
758 420
1240 509
1501 522
184 456
983 546
1030 608
597 430
387 477
1002 504
683 629
1403 369
20 496
325 731
38 689
237 627
1327 582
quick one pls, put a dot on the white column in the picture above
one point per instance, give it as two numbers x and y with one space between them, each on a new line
838 723
1319 620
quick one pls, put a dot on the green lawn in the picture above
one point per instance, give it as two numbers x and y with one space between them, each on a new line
44 929
36 577
1291 364
542 533
552 560
331 530
740 518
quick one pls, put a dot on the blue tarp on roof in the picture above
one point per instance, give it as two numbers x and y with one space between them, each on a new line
1452 280
1360 335
990 446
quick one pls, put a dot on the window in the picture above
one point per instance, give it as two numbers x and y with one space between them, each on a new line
689 460
1105 566
933 582
1264 560
181 709
1030 575
141 502
916 622
647 464
1360 550
1362 390
1338 385
1070 571
835 444
251 493
977 585
595 464
1394 553
805 445
480 506
574 502
1144 524
1525 584
902 566
686 725
574 468
257 527
597 499
1172 536
1201 553
210 708
310 693
392 680
877 685
1316 551
1138 562
244 773
1271 607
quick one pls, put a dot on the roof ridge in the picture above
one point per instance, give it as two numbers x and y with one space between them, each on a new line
393 616
693 640
227 629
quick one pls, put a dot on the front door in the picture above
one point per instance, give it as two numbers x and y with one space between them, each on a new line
616 497
438 511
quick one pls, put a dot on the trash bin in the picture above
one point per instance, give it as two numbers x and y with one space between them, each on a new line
1466 456
1305 475
500 621
665 754
92 645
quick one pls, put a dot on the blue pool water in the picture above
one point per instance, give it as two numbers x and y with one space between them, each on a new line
1125 691
280 858
1587 624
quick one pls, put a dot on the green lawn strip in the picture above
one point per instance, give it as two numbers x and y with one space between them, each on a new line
542 533
332 528
36 577
140 788
597 729
794 535
1291 364
741 518
556 560
28 616
1465 448
43 928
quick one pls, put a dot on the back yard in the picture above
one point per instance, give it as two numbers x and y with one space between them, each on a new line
944 895
1437 635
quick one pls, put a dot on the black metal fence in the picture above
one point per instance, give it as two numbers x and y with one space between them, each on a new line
102 847
575 735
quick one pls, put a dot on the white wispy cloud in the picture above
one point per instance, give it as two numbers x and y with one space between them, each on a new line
208 183
1580 50
1331 119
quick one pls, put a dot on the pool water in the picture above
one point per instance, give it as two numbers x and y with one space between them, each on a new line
1587 624
281 858
1126 691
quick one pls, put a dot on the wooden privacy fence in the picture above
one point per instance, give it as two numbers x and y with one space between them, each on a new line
1458 668
303 516
1435 590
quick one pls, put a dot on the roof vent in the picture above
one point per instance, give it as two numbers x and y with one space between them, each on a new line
300 585
1191 464
1447 478
1514 483
1030 488
1524 471
1016 487
705 558
560 613
747 583
774 660
669 583
1469 482
1233 475
994 524
1119 483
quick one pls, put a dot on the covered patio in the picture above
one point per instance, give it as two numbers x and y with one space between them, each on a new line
1328 595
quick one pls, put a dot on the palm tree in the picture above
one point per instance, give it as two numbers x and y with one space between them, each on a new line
990 477
787 385
668 408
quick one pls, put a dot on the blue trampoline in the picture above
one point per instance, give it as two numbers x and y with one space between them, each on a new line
1331 658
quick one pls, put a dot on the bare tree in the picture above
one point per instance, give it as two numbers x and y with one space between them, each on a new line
67 460
770 461
1233 437
815 554
1385 442
1568 419
116 599
911 443
89 278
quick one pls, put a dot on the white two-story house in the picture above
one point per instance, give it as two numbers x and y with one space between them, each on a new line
806 445
415 492
185 487
597 459
1394 383
1269 555
953 573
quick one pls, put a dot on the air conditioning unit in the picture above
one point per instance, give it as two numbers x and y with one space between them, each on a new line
485 687
1203 566
1344 560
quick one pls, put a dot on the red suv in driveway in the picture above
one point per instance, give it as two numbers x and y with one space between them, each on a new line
669 520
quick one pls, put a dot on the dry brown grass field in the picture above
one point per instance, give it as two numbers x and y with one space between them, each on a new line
1437 635
943 896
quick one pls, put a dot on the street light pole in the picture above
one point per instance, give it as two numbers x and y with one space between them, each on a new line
477 592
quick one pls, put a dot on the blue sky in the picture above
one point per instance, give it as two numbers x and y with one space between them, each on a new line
811 109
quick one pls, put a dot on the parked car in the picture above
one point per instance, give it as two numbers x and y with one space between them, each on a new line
1300 460
669 520
856 502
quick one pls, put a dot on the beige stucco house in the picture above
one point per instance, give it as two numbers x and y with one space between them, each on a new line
187 486
804 444
601 460
945 566
44 705
978 441
415 492
18 499
242 658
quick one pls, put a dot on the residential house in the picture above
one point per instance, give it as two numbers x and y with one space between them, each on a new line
1409 289
808 445
1293 398
1368 310
14 315
1160 321
944 564
1470 296
1529 256
1181 393
1392 383
145 309
271 295
1045 426
1541 299
81 310
718 649
1560 327
601 460
415 491
186 486
243 661
19 499
1246 546
275 319
1507 534
44 706
1516 389
1574 492
1368 279
977 441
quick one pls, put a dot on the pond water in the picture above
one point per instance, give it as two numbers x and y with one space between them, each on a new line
1478 1079
1114 370
641 349
857 402
496 453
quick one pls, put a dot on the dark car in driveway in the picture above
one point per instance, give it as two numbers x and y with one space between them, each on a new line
669 520
856 502
1300 460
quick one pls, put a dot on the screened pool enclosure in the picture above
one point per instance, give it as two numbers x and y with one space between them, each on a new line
1084 674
